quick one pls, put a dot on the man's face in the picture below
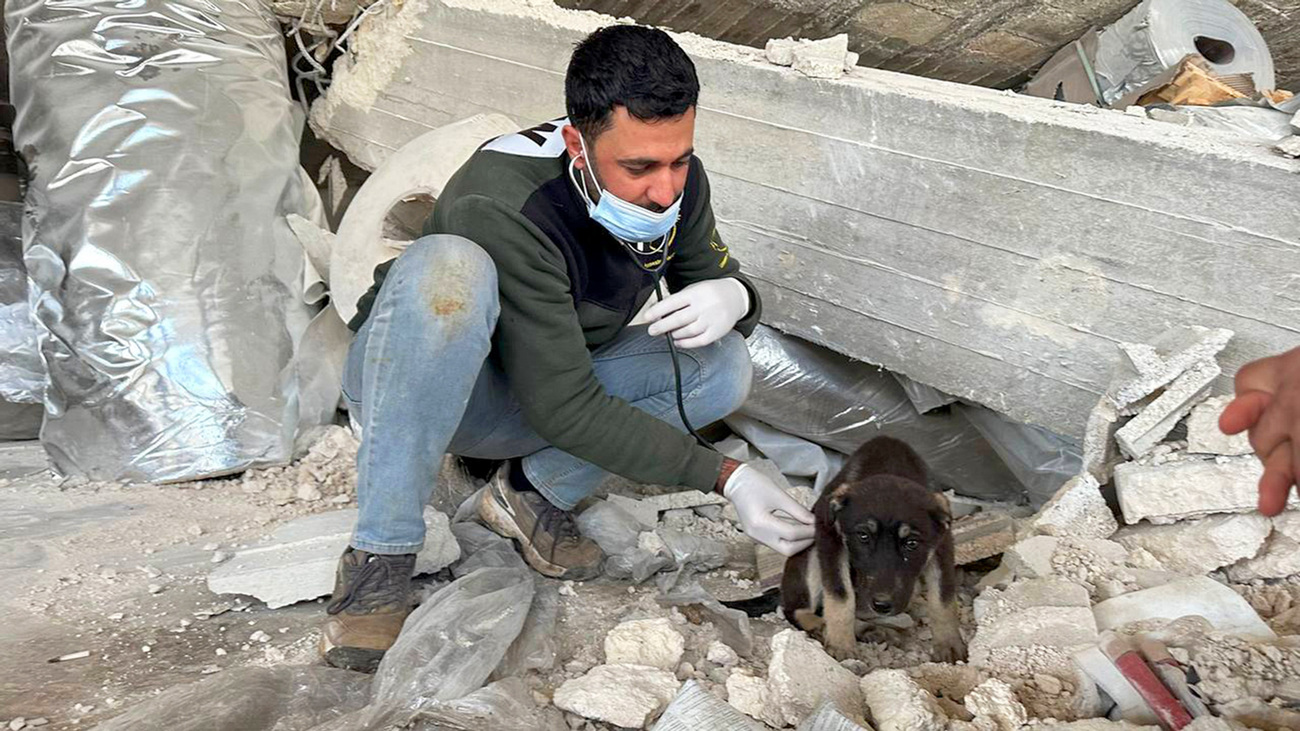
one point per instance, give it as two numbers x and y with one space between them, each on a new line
641 162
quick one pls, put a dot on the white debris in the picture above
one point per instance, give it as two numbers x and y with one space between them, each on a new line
1202 596
751 696
828 58
652 642
720 653
993 605
996 702
801 675
1195 547
1204 436
1167 357
897 703
1137 437
1032 557
1280 556
1077 509
982 535
624 695
259 636
1187 488
299 561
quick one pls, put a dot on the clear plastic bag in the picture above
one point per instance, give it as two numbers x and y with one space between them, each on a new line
505 705
617 532
1041 460
293 698
696 552
450 644
481 548
682 589
534 649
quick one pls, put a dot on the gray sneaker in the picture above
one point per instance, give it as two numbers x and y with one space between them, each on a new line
548 537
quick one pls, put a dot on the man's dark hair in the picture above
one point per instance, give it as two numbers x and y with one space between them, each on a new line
630 66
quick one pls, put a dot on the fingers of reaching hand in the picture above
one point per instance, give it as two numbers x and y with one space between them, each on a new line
1260 375
1244 411
667 306
790 548
1280 468
1277 424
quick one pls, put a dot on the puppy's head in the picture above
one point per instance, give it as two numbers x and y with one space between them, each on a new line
890 527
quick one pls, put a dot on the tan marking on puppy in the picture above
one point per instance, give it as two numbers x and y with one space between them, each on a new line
944 623
808 621
841 617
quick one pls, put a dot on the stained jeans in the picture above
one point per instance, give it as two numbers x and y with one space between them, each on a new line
419 382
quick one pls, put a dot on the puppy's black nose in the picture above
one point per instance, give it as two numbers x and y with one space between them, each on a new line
882 606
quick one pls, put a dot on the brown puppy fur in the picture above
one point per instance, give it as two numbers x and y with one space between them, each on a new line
878 530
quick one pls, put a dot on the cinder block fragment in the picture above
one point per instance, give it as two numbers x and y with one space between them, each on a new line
1076 510
1137 437
1186 488
1199 546
1204 436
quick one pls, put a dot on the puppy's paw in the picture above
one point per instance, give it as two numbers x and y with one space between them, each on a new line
949 649
842 650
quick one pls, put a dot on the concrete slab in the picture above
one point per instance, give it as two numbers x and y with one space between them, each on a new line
1186 488
1199 546
1157 419
1203 435
1010 241
1201 595
298 562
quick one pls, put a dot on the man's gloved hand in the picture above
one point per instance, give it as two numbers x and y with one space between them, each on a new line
701 313
1268 404
760 503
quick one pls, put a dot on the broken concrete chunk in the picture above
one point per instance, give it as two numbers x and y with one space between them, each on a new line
1280 556
645 514
828 58
801 675
1186 488
1067 628
897 703
1200 596
1032 557
299 561
829 718
982 535
1100 453
1195 547
1289 146
652 642
624 695
1077 509
993 605
752 696
695 708
1204 436
1137 437
994 701
1167 357
720 653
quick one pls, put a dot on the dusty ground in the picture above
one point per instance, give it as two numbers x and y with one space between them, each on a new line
119 571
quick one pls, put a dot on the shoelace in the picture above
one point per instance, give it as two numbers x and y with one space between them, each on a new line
555 521
387 589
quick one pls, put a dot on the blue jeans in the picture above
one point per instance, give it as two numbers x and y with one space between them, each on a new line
419 381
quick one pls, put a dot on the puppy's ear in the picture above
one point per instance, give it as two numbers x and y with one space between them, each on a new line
940 512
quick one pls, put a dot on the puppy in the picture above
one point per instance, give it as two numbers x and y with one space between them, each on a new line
878 529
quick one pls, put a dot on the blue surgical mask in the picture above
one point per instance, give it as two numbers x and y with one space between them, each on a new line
626 221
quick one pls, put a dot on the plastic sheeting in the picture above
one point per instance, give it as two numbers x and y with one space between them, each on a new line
1042 460
1158 34
168 285
22 375
829 399
250 699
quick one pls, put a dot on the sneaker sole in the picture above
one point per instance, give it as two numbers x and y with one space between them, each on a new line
359 659
503 524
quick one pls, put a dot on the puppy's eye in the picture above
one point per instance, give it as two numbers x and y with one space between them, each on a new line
864 537
911 544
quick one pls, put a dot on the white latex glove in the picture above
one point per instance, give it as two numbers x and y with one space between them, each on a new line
760 503
701 313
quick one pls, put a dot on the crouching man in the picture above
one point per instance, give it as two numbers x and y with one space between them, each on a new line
504 334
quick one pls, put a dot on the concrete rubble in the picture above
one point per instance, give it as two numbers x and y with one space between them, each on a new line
829 58
1078 509
298 560
801 675
897 703
630 696
1204 436
651 642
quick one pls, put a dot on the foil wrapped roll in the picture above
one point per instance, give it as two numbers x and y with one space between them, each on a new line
163 153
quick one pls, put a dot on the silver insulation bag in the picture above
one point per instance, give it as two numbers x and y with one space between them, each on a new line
166 283
839 403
